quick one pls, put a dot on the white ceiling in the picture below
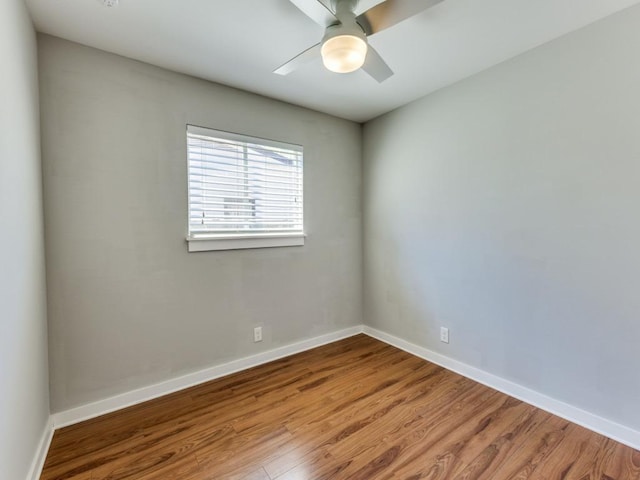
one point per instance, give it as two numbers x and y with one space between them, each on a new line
240 42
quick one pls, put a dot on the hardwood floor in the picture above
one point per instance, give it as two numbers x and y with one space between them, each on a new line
354 409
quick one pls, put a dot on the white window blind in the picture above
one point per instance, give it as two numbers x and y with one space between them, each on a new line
242 186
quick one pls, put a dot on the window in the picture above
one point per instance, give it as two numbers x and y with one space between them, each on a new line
244 192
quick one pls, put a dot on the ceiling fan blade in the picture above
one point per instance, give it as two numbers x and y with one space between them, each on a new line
375 66
316 11
387 14
299 60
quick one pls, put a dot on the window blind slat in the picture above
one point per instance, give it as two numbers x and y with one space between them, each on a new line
238 154
288 219
252 171
271 205
257 184
234 160
234 194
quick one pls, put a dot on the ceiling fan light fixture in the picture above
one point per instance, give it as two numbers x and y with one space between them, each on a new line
344 53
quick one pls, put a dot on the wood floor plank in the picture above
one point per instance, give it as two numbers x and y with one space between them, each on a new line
429 445
526 456
353 409
624 463
422 435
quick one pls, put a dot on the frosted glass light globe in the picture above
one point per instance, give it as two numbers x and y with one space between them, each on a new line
344 53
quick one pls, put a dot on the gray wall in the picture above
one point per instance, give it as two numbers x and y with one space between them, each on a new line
24 398
506 207
128 306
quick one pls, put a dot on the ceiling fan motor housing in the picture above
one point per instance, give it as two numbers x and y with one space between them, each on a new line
338 29
347 24
345 11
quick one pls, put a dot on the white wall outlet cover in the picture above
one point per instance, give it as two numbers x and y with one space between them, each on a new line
257 334
110 3
444 334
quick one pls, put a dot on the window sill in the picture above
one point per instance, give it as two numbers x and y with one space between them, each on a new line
237 242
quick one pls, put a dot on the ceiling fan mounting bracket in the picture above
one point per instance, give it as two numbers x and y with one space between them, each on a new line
350 5
346 23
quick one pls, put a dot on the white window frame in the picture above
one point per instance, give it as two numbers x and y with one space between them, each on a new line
231 241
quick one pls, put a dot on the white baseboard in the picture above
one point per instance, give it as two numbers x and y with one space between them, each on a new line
108 405
581 417
600 425
41 453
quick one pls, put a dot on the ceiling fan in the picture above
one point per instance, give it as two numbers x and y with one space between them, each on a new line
344 47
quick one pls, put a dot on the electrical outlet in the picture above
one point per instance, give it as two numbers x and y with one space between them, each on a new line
257 334
444 334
